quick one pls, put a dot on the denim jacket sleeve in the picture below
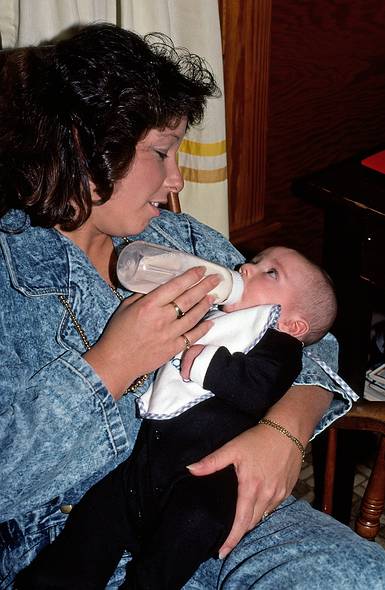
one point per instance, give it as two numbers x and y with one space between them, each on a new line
59 426
207 243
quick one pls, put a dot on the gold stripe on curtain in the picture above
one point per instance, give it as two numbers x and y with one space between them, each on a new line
209 152
203 176
198 148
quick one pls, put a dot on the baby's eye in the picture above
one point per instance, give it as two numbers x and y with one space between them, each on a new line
272 272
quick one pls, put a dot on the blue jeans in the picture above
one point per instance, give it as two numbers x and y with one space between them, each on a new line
296 548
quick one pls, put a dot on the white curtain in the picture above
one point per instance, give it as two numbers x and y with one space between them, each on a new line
190 23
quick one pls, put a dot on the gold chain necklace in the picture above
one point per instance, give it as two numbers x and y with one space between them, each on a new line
140 380
116 292
64 301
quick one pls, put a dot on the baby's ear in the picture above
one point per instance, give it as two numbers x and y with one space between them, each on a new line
298 327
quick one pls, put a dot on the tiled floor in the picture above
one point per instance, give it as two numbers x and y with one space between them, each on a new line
305 489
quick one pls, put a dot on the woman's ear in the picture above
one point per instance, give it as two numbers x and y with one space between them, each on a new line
94 195
298 327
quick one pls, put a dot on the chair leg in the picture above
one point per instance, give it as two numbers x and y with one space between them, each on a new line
327 502
173 202
372 505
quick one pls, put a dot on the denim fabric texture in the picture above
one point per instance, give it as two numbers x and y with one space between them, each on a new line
298 548
60 429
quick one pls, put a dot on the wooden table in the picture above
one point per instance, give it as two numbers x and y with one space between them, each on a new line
352 197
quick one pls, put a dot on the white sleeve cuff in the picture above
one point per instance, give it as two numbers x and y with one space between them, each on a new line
201 363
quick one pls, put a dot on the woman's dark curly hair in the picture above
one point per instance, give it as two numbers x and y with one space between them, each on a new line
74 112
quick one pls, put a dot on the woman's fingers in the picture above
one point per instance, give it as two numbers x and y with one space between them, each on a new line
186 289
174 288
184 314
196 333
247 494
243 521
170 330
255 501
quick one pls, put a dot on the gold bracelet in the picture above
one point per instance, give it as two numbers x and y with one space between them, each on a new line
136 384
283 430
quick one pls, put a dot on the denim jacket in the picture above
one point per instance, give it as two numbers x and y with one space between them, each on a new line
60 429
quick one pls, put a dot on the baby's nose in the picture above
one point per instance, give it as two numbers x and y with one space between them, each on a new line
245 268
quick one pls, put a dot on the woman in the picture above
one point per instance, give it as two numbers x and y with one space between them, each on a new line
90 130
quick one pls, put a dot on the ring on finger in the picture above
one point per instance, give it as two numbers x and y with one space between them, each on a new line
265 515
187 343
179 312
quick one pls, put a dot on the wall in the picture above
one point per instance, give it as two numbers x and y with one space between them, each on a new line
326 101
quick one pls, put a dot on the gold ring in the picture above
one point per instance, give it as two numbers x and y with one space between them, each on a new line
265 515
178 311
187 343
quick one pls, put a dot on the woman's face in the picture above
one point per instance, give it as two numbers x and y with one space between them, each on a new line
151 176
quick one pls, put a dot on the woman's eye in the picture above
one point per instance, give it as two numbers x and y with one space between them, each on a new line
162 155
272 272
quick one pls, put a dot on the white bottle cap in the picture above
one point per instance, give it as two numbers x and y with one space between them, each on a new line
237 288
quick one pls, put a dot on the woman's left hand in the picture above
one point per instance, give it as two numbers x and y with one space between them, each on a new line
267 468
267 462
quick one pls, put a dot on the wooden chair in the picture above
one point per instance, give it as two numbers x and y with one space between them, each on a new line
365 416
173 203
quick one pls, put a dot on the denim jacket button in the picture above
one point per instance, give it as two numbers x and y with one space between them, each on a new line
66 508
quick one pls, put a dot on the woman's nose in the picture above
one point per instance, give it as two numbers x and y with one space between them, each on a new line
174 178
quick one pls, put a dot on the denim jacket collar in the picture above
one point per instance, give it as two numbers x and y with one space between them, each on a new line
27 253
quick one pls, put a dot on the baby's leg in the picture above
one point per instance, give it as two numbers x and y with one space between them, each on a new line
86 553
195 521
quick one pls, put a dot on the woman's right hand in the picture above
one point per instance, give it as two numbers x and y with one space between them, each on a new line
144 332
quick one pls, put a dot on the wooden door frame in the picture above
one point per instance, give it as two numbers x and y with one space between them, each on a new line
246 54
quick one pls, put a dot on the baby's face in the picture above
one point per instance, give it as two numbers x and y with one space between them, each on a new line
273 276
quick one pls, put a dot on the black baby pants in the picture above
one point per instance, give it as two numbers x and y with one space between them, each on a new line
151 506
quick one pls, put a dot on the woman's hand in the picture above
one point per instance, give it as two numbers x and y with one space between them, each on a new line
267 468
267 462
144 333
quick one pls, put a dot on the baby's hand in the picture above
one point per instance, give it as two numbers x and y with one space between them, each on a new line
188 358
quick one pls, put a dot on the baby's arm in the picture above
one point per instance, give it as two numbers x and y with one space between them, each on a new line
255 380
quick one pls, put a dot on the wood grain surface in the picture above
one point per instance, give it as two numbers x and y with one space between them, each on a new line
246 47
325 92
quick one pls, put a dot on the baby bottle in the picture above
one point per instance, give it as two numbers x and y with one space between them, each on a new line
143 266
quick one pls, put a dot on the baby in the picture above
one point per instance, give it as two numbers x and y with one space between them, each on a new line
303 290
150 505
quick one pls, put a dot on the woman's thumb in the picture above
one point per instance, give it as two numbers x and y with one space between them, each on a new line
207 465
